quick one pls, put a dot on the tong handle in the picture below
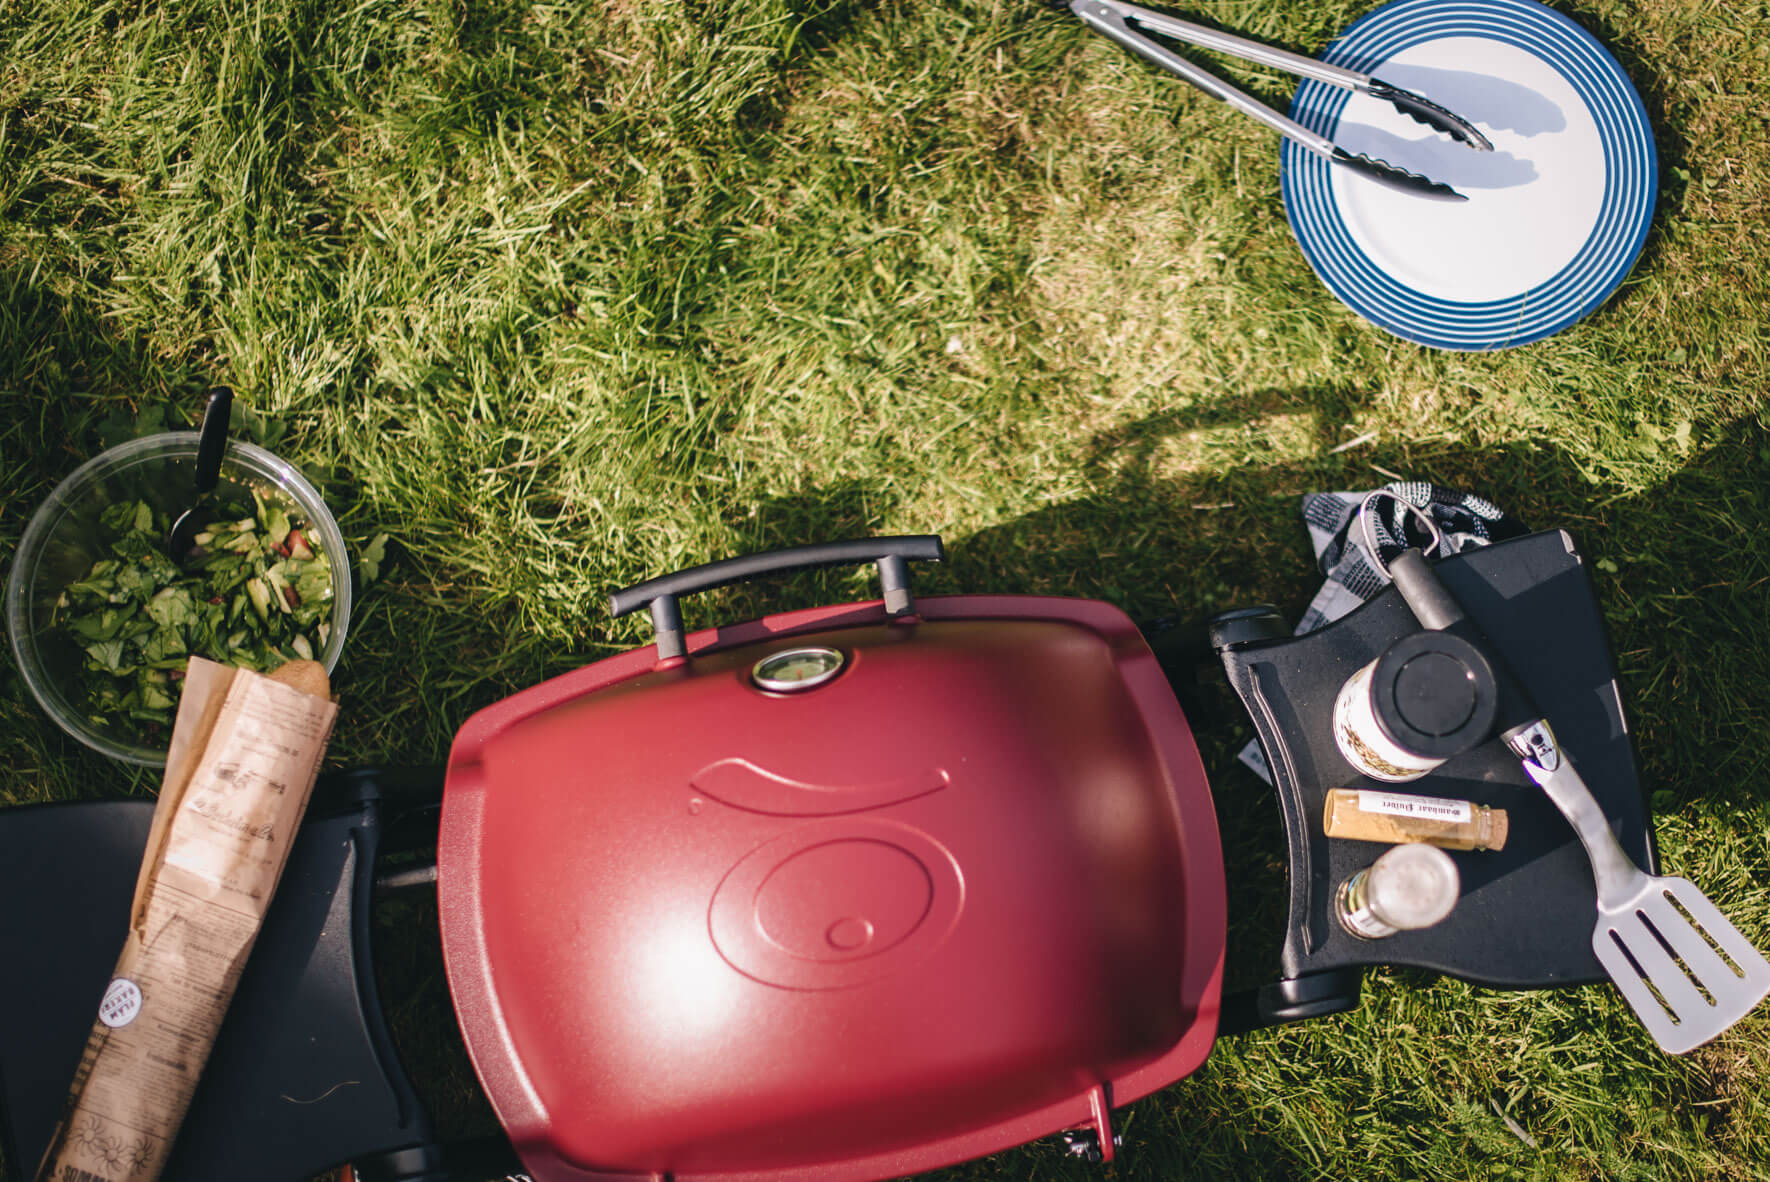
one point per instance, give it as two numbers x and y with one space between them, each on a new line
1114 19
1228 43
1108 18
892 554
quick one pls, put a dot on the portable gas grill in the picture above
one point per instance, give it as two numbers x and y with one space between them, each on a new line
847 892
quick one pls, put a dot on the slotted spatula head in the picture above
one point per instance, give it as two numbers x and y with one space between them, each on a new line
1684 969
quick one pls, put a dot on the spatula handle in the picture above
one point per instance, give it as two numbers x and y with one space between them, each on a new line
1614 873
1524 729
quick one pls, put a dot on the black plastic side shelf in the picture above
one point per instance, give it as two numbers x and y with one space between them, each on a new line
1525 917
303 1076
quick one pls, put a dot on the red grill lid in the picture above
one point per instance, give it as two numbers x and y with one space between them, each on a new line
965 893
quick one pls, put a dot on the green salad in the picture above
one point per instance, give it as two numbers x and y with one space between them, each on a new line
255 591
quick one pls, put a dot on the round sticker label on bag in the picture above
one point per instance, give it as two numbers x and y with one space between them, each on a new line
122 1001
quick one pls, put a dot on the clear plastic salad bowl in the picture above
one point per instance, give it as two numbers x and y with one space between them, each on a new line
64 539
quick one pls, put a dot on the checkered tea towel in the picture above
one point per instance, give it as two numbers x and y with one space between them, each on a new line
1465 520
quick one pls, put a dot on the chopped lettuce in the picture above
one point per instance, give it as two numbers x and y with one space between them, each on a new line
254 592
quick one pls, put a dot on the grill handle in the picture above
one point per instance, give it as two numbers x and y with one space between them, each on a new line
893 556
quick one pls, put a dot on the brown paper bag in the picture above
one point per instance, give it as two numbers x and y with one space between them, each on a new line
245 752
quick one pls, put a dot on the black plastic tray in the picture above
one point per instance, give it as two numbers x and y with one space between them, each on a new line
1526 915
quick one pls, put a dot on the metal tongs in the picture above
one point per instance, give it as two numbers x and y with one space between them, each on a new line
1114 18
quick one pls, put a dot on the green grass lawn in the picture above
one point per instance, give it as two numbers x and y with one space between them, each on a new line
563 295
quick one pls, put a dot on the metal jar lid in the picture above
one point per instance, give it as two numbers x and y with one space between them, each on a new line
1434 695
1410 887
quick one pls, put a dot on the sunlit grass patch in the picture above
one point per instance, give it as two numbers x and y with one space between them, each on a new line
561 295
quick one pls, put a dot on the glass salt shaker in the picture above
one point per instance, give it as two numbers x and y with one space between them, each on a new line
1408 888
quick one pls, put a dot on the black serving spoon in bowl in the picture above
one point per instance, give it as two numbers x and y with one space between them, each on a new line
211 445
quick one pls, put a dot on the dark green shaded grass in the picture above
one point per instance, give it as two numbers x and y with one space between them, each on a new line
563 295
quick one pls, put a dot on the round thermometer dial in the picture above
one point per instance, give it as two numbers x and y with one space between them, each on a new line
796 669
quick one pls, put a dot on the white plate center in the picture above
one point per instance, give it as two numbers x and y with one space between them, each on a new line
1533 200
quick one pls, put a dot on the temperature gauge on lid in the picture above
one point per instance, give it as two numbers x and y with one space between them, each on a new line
796 669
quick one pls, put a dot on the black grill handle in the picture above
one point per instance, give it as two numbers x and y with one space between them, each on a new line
893 556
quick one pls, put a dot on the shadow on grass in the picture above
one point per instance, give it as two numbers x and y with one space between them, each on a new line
66 378
1694 653
67 375
1694 659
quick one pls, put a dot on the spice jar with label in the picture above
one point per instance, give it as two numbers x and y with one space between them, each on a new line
1394 817
1428 697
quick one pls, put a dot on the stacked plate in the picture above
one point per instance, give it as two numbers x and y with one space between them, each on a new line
1557 212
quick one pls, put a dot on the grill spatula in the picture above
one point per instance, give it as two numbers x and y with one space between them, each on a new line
1684 969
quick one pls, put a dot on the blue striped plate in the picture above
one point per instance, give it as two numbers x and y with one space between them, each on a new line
1557 212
